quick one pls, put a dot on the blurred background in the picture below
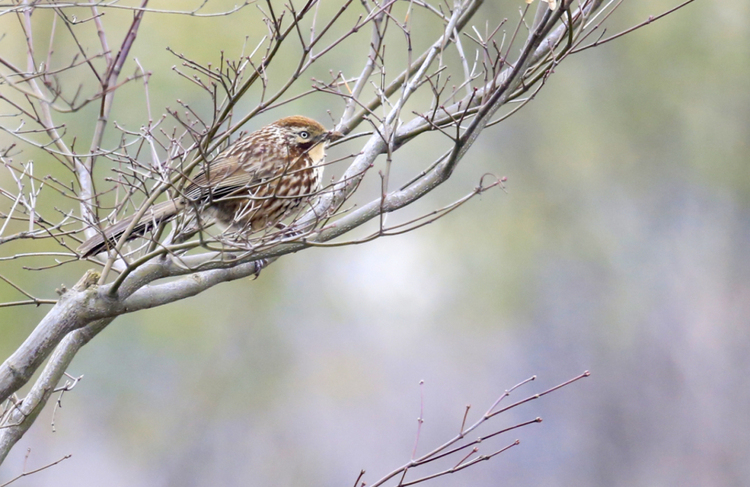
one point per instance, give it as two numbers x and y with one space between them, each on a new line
619 247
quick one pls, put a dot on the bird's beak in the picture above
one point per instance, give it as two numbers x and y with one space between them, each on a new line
333 136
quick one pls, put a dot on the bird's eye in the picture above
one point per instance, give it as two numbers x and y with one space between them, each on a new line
304 134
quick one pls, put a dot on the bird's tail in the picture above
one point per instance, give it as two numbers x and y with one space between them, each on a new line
107 239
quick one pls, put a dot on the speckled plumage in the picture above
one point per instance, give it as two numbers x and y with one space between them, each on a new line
253 184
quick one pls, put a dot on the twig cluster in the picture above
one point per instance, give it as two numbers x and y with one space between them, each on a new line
465 450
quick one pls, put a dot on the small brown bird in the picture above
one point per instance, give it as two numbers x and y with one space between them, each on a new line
253 184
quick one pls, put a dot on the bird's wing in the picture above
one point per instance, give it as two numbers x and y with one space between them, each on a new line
229 174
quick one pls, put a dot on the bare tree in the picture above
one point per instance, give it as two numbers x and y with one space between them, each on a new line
470 78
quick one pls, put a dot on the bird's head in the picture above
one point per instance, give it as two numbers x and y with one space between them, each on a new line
305 132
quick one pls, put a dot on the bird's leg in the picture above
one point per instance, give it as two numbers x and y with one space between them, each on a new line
288 231
259 265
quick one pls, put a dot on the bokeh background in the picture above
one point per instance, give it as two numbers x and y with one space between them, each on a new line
619 247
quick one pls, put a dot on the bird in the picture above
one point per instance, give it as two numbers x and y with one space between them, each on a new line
252 185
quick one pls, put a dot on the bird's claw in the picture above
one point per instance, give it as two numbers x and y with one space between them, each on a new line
259 265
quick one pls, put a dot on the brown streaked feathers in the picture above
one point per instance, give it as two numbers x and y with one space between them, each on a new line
253 184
